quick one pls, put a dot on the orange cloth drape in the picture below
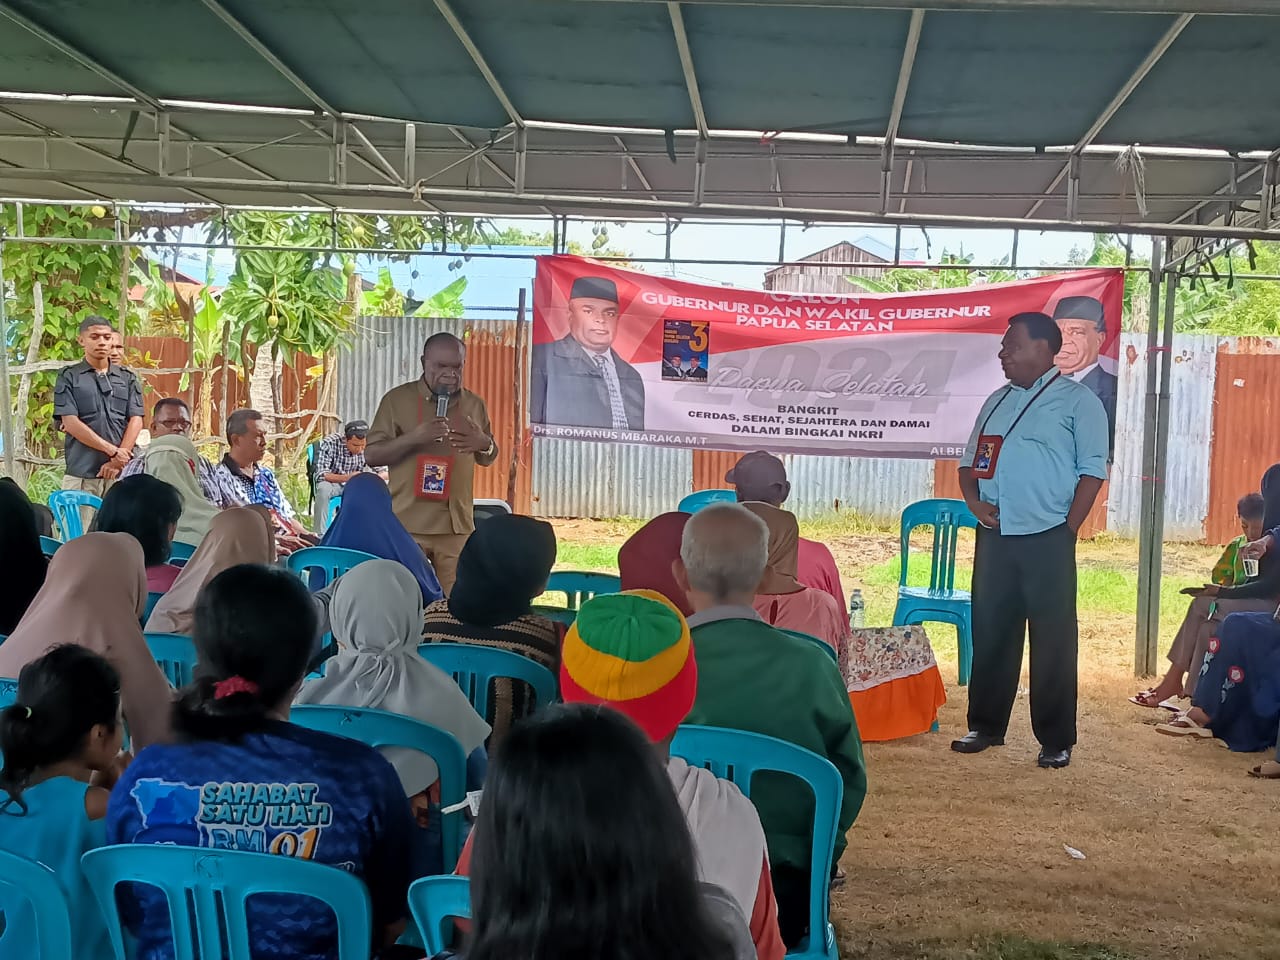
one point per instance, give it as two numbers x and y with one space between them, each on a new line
899 708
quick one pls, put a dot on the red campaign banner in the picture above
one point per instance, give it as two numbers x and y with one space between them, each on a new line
626 357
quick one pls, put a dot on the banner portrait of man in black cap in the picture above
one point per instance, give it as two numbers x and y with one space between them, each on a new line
579 380
1083 324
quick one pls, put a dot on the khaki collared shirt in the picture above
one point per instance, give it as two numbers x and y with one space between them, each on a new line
402 409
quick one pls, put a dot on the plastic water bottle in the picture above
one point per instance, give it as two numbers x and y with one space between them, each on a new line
857 611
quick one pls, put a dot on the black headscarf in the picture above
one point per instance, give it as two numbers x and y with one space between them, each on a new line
24 561
1271 495
504 565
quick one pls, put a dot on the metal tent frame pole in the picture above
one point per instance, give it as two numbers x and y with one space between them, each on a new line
1148 624
6 408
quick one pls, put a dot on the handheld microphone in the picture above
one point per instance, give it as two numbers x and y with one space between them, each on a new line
442 404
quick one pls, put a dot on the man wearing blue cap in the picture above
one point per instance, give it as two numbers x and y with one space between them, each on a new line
1083 325
579 380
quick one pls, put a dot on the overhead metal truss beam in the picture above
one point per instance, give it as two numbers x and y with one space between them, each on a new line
49 132
636 205
909 51
114 78
478 59
1112 108
686 65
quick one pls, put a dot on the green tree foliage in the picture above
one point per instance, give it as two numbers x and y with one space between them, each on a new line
948 273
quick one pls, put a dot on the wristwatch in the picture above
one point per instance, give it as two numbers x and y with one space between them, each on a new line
489 450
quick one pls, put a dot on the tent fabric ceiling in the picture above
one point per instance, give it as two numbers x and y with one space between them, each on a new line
470 73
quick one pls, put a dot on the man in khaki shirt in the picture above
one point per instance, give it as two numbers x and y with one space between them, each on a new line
432 459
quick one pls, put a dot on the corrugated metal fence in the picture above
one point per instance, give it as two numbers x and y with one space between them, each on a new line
566 478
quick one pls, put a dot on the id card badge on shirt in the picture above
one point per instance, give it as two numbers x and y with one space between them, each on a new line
985 456
433 477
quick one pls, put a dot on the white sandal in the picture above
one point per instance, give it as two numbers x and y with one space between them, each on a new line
1183 726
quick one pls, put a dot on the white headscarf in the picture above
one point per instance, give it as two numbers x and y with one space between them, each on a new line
377 620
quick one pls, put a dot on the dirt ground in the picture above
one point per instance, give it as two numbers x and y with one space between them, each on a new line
1182 857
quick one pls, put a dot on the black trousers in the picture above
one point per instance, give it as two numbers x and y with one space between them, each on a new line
1020 583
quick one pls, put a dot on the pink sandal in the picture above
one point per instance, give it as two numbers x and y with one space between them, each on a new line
1147 698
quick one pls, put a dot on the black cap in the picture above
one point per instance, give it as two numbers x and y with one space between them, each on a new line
1080 308
597 288
356 428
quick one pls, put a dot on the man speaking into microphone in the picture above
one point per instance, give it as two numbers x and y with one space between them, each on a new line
431 433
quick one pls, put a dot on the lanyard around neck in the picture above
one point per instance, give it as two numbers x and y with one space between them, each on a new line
1008 390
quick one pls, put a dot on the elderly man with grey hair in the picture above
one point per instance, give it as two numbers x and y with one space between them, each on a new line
754 677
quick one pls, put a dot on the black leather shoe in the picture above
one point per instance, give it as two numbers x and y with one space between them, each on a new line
975 742
1053 759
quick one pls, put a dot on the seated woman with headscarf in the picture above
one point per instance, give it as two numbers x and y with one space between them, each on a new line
503 567
1231 592
376 614
24 561
174 459
645 560
782 600
93 595
1237 698
366 522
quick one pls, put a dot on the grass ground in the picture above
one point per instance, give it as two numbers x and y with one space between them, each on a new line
962 858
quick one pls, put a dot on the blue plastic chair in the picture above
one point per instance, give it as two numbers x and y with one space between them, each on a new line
704 498
49 546
330 562
66 505
737 756
22 879
153 598
434 903
473 668
380 728
207 890
558 614
180 553
8 691
940 602
334 504
808 636
176 655
579 586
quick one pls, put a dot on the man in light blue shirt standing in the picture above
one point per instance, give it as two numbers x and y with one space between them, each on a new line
1031 472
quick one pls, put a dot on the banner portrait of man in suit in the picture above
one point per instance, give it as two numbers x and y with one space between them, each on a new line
1083 324
579 380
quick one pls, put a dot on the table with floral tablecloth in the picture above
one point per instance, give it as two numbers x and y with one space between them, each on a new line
893 681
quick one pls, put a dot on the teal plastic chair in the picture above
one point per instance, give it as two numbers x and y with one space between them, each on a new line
8 691
579 586
320 566
380 728
48 936
704 498
153 597
473 668
176 655
66 505
940 601
558 614
738 756
180 553
334 504
434 903
49 546
808 636
207 891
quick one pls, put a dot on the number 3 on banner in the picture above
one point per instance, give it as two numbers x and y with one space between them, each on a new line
698 342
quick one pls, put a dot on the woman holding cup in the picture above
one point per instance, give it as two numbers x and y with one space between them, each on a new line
1211 604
